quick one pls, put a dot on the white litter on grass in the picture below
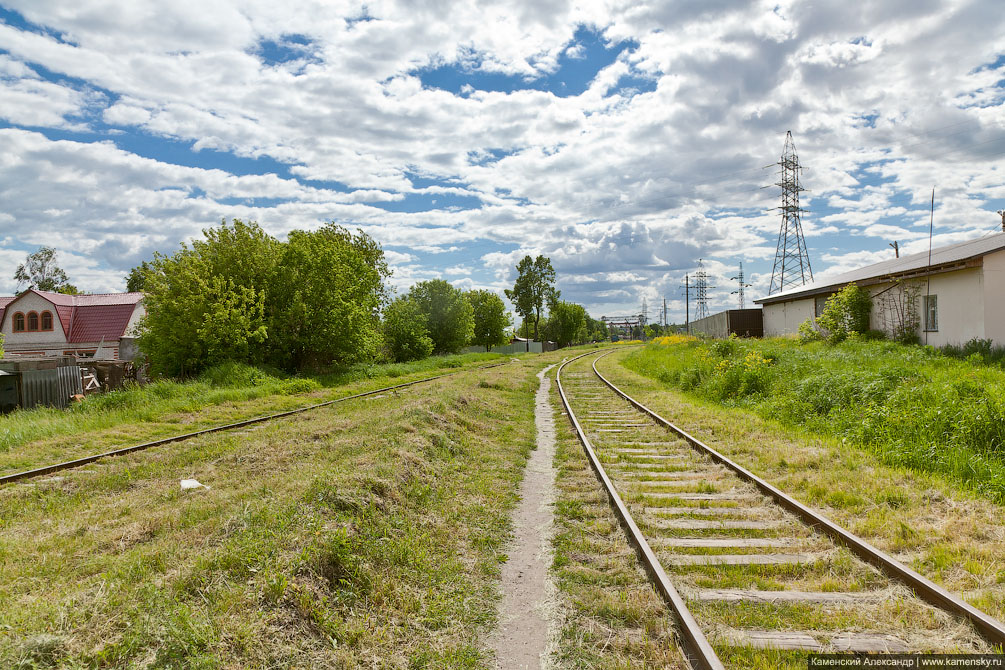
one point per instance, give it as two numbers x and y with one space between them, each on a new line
187 484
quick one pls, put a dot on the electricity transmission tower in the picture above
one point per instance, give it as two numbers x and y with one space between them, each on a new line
701 292
792 261
740 289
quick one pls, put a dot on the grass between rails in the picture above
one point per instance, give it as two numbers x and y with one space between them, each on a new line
224 394
612 616
364 535
931 522
909 405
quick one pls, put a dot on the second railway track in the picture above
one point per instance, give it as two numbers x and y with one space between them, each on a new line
745 568
85 460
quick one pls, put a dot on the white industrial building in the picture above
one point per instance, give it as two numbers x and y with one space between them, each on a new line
958 294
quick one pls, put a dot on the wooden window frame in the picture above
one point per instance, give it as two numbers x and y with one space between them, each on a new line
41 322
29 315
931 326
13 324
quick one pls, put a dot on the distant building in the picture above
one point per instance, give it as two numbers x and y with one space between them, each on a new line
957 296
99 326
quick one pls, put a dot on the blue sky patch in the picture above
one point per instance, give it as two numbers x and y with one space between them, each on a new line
578 66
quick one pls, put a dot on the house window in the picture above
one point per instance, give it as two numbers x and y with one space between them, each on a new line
19 323
819 304
931 312
46 320
32 322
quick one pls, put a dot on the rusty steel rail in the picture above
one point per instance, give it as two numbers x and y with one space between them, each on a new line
66 465
696 646
992 629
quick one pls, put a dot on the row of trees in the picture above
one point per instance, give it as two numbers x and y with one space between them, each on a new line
240 294
313 300
436 318
316 299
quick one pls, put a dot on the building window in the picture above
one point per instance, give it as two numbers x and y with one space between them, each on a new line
931 312
19 323
32 322
46 320
819 304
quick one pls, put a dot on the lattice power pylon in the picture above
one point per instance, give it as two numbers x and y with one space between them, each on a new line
792 261
742 287
701 292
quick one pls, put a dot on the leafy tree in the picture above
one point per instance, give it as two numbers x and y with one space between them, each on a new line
490 317
566 323
40 271
449 318
326 298
535 283
1 345
405 331
239 294
209 302
136 279
597 330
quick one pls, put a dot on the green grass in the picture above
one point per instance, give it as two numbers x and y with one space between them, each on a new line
910 405
367 535
227 393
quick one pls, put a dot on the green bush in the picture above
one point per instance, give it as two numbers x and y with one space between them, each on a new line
294 386
238 375
405 334
846 312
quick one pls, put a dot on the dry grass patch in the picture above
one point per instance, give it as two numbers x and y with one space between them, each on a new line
366 535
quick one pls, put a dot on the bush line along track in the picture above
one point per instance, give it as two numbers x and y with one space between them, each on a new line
49 469
655 470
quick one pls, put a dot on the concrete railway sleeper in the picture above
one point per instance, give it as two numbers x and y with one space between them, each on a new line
745 568
78 462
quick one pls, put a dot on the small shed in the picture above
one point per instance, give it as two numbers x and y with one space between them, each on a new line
740 322
30 382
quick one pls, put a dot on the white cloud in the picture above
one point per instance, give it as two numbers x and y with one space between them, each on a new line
623 191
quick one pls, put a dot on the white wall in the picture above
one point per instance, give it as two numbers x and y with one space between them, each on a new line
961 307
783 318
138 312
994 297
965 298
31 303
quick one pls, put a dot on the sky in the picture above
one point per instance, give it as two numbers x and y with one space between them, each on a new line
627 141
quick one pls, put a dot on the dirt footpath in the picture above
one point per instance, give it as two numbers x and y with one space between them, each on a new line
528 621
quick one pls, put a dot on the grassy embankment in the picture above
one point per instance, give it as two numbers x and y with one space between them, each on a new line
924 514
364 535
31 438
909 405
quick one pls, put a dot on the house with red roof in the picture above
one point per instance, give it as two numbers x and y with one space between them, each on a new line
99 326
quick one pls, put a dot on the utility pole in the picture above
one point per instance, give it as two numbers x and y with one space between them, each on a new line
687 304
664 314
896 245
740 289
1002 213
792 260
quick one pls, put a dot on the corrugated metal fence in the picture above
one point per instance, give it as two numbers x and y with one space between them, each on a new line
52 387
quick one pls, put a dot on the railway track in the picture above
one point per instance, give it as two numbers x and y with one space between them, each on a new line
78 462
745 568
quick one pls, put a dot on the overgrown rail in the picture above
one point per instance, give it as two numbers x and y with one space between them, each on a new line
684 505
67 465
